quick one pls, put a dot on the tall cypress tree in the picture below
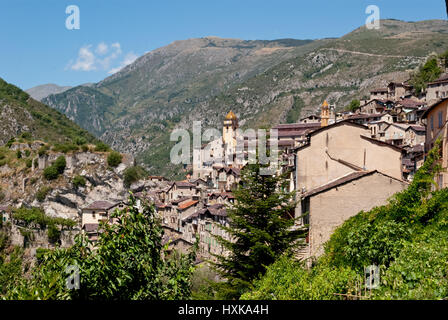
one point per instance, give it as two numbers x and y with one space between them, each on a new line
261 229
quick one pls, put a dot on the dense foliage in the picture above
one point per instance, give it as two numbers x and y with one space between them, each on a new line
260 227
128 262
406 238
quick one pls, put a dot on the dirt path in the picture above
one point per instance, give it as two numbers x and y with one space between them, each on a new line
371 54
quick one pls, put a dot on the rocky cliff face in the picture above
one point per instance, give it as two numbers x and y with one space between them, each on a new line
20 185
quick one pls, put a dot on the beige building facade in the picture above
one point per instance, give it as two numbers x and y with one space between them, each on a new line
332 204
339 149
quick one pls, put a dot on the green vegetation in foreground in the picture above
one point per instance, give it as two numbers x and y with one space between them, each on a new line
407 238
129 263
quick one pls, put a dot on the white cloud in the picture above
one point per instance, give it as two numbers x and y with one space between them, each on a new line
102 48
103 57
85 60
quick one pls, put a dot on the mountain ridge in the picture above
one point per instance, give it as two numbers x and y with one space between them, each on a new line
264 82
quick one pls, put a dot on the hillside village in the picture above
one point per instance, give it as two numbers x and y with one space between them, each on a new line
338 163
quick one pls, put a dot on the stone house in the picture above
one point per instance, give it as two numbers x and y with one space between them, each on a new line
329 205
377 129
221 198
414 135
96 212
437 118
180 189
205 224
437 89
399 90
395 134
380 93
375 106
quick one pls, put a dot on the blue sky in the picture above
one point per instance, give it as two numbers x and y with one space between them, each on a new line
36 47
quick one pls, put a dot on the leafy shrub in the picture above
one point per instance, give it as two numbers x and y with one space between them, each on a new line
80 141
60 164
85 148
42 193
114 159
43 150
101 147
27 152
53 233
29 163
26 135
133 174
65 147
10 142
79 181
19 154
51 173
40 254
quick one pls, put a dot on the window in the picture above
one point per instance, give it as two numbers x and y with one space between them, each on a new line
440 119
432 122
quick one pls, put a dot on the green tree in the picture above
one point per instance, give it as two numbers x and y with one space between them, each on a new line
260 225
354 104
430 71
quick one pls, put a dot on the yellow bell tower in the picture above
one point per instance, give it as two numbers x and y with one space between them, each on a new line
229 129
324 114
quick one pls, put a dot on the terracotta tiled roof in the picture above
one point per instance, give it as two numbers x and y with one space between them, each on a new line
187 204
